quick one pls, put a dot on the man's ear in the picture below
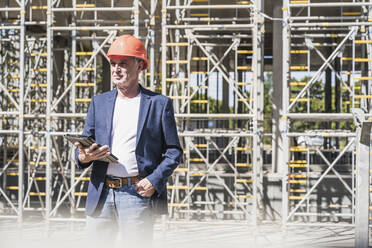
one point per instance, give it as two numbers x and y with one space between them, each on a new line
140 65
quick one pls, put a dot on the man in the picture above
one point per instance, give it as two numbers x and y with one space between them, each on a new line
138 127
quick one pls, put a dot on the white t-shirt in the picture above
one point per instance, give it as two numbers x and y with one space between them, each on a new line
124 135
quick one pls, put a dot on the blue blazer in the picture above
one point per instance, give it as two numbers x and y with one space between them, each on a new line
158 150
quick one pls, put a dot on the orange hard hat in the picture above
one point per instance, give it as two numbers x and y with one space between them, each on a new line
128 45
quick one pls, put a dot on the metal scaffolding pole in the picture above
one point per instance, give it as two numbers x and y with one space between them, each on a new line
152 44
48 185
21 111
163 47
73 100
283 155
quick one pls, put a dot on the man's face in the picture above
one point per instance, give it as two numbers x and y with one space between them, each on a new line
124 71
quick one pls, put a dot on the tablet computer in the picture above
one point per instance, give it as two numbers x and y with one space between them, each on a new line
87 141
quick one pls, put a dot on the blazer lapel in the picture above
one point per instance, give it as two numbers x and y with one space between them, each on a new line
145 104
110 114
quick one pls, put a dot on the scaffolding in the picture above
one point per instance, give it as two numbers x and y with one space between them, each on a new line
220 178
49 76
329 40
208 56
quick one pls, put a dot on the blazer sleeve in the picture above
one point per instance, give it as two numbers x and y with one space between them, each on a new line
172 150
89 130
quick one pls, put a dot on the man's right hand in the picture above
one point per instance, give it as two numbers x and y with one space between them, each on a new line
91 153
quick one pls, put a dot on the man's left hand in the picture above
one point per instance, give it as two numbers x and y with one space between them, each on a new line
145 188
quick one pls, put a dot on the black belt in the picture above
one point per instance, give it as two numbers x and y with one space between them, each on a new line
118 182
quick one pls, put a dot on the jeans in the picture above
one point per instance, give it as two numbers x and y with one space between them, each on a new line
123 217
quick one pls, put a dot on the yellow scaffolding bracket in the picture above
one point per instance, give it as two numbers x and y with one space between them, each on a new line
199 72
298 165
14 76
244 180
38 100
39 7
355 88
196 160
200 101
244 149
37 54
298 1
84 84
350 102
82 100
351 13
37 147
40 69
199 87
178 97
177 44
297 83
298 149
38 85
297 190
243 83
299 51
243 165
199 14
363 96
363 78
13 90
244 196
84 53
244 51
199 58
297 181
181 170
185 187
295 198
242 68
37 194
299 99
176 79
178 205
85 5
171 62
357 59
297 162
298 67
12 174
81 194
363 41
82 179
40 163
297 176
12 187
40 178
198 174
86 69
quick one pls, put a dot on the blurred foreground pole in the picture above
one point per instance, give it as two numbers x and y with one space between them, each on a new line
363 160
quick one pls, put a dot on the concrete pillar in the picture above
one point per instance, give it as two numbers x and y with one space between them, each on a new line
277 146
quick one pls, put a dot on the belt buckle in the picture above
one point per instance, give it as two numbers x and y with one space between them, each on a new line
119 180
